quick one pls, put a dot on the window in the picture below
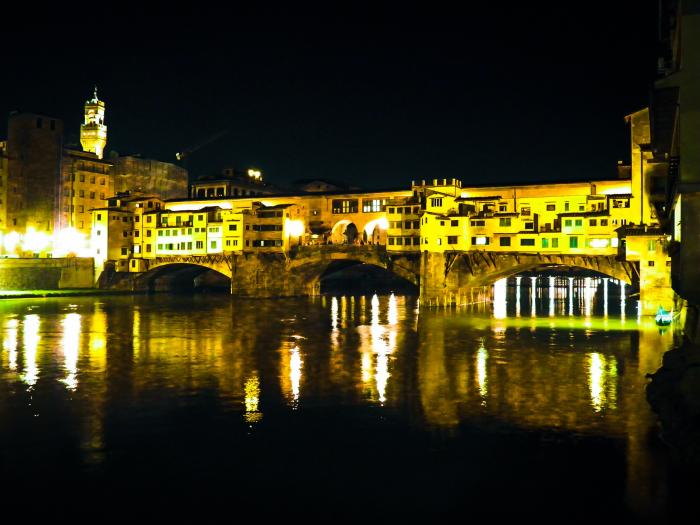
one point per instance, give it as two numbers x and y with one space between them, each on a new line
82 177
102 182
372 205
442 223
527 242
99 216
213 245
148 233
525 210
651 263
478 223
137 233
593 222
102 196
436 202
416 241
502 207
92 179
454 223
439 241
545 242
480 241
232 227
399 241
581 207
344 206
651 246
92 194
125 233
391 241
504 241
81 209
603 222
416 225
391 210
199 245
529 225
504 222
452 239
566 206
578 222
551 207
573 242
148 248
555 242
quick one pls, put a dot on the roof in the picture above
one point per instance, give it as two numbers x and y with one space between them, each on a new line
486 198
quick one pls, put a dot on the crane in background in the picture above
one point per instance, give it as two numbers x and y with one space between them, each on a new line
183 155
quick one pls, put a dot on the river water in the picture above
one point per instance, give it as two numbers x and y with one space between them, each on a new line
337 407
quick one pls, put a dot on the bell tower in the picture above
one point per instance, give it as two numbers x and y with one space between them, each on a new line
93 133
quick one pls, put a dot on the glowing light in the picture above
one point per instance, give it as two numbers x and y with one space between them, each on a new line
9 343
255 174
598 243
252 398
588 291
517 296
622 299
614 242
334 313
393 314
70 242
295 363
533 295
295 228
71 344
35 241
595 381
10 241
500 289
605 296
481 377
551 296
481 240
30 336
380 223
571 296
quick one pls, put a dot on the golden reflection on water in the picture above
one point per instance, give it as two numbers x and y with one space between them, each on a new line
252 399
71 347
9 343
30 338
481 374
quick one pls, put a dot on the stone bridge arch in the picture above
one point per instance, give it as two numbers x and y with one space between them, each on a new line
449 277
180 269
311 265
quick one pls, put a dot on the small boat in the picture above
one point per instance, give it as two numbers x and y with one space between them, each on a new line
664 317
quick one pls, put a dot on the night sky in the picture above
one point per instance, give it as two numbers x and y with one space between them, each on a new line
373 98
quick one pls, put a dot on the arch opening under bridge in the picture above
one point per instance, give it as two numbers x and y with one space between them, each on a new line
183 277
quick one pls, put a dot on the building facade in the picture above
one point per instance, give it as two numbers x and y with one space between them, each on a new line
49 189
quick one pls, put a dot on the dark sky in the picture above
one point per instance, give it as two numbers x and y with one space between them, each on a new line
375 98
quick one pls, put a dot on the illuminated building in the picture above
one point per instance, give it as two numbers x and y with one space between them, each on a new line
50 187
232 183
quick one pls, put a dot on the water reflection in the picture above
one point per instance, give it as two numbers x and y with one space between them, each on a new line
31 337
71 344
575 365
9 343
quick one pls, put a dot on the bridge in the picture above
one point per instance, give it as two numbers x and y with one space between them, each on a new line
444 278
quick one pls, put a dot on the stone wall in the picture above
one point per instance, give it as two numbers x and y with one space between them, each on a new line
46 274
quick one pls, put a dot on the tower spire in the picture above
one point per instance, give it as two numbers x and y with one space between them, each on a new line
93 132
